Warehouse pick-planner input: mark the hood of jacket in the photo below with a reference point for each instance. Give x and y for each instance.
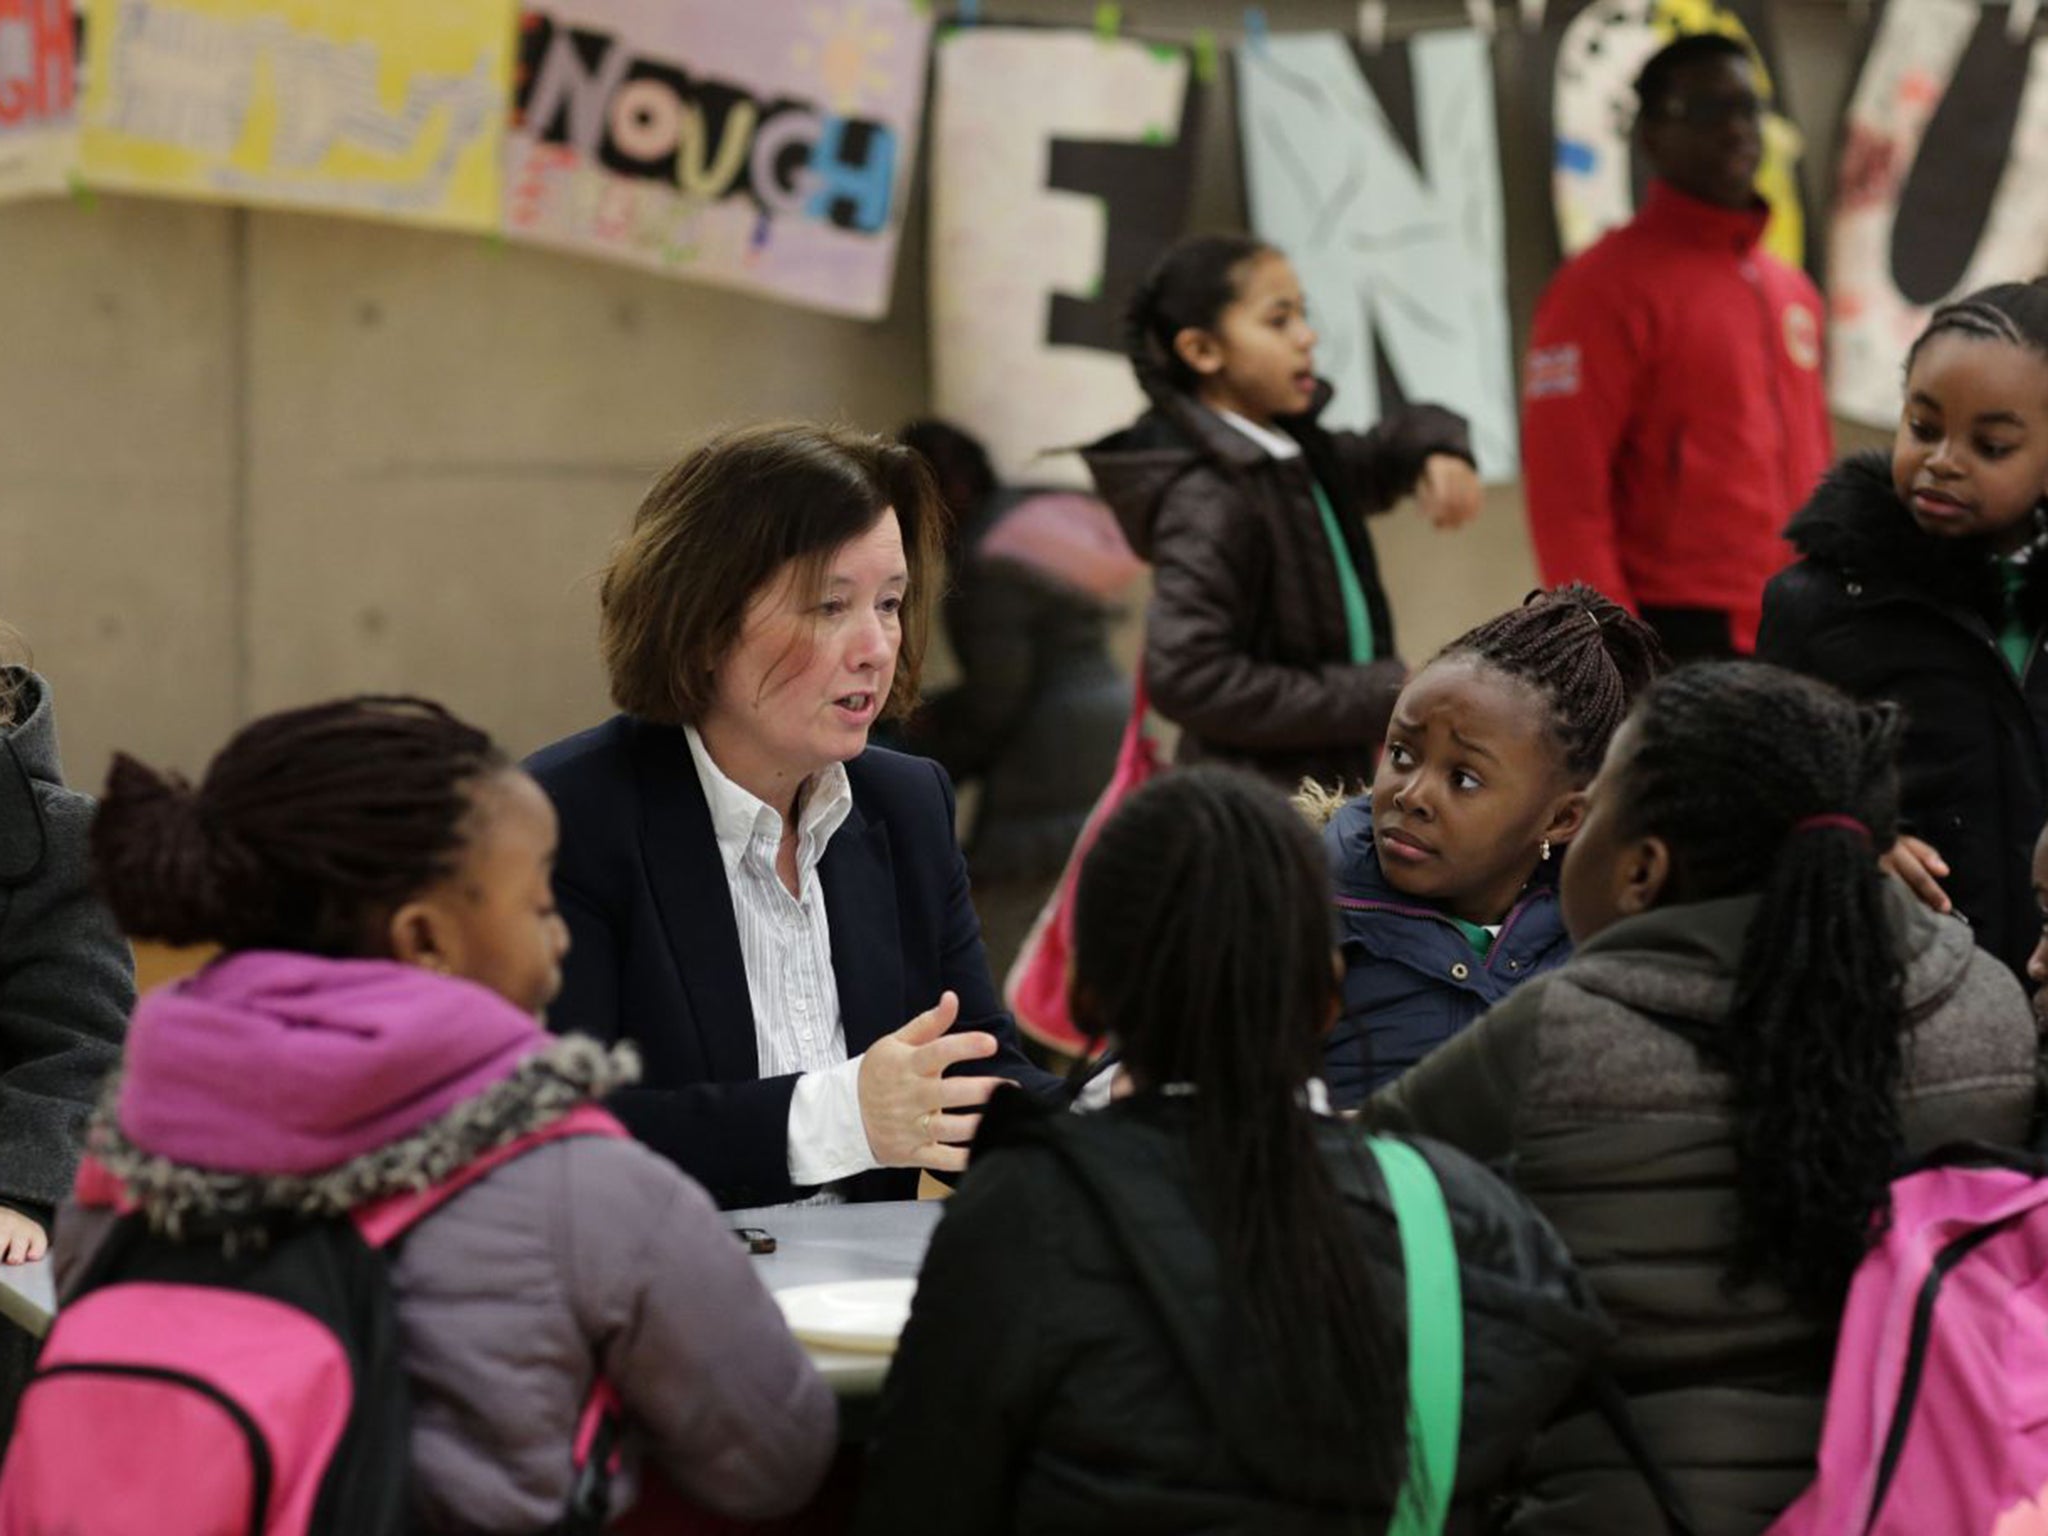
(33, 736)
(29, 770)
(1134, 468)
(1855, 522)
(1681, 961)
(285, 1082)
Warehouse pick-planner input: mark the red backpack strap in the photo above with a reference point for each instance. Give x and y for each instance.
(381, 1222)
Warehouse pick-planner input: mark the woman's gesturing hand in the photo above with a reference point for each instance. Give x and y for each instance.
(906, 1102)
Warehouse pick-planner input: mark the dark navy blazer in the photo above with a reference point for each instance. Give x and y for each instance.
(655, 949)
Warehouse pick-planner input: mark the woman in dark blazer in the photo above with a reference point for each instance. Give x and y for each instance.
(756, 898)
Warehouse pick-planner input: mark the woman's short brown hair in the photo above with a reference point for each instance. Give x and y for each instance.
(718, 526)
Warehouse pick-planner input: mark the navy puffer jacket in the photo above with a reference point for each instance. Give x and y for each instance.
(1411, 981)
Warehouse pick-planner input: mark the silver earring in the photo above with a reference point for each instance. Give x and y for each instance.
(1546, 850)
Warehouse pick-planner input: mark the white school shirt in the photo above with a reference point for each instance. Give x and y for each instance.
(1277, 444)
(786, 946)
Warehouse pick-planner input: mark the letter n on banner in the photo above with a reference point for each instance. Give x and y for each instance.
(1942, 187)
(1386, 195)
(1061, 165)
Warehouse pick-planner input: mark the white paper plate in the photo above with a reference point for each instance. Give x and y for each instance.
(849, 1314)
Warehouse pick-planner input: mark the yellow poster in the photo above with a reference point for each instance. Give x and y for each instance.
(386, 108)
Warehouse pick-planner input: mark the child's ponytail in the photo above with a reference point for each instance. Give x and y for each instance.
(1188, 287)
(1759, 780)
(152, 859)
(308, 829)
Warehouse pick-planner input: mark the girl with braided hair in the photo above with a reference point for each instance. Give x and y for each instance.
(1924, 583)
(377, 875)
(1709, 1099)
(1268, 640)
(1446, 874)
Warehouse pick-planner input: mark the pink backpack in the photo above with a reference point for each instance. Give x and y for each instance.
(192, 1389)
(1937, 1416)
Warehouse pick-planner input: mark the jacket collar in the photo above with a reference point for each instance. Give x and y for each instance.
(1532, 925)
(1133, 468)
(1672, 213)
(1855, 522)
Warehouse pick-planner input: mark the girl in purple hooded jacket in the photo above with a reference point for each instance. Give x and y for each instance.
(377, 874)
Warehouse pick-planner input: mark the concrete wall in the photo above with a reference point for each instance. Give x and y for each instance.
(251, 459)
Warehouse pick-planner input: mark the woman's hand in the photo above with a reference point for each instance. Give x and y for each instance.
(1921, 868)
(1447, 492)
(905, 1100)
(22, 1241)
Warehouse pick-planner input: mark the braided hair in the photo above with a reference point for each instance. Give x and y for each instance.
(1203, 943)
(1757, 779)
(1588, 657)
(2015, 313)
(1187, 288)
(310, 827)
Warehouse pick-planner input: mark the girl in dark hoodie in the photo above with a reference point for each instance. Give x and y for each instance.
(1923, 583)
(1268, 640)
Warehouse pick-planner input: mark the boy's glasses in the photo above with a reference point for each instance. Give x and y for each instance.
(1711, 111)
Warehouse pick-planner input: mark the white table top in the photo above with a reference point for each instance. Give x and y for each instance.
(815, 1244)
(28, 1295)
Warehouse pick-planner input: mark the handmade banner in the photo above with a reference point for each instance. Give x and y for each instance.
(1591, 52)
(389, 108)
(38, 77)
(1379, 175)
(1062, 164)
(1942, 187)
(765, 146)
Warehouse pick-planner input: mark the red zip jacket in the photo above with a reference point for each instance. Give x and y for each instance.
(1673, 412)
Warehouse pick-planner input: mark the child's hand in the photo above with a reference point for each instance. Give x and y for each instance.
(21, 1240)
(1920, 867)
(1447, 493)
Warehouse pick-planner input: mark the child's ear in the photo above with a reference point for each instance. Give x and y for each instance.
(1199, 349)
(1566, 817)
(1645, 870)
(417, 936)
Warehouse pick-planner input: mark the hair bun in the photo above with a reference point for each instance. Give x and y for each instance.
(152, 856)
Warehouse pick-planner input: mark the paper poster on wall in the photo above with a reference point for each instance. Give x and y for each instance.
(766, 146)
(1942, 187)
(388, 108)
(38, 83)
(1591, 52)
(1062, 164)
(1379, 175)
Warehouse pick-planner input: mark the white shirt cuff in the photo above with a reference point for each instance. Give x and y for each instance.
(1095, 1093)
(827, 1139)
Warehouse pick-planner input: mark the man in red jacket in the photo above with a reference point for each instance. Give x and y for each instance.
(1674, 416)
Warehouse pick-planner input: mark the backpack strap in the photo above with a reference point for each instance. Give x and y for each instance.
(383, 1222)
(1436, 1337)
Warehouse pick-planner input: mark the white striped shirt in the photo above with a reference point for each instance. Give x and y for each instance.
(786, 946)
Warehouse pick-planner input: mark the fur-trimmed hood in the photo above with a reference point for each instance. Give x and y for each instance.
(1856, 523)
(283, 1083)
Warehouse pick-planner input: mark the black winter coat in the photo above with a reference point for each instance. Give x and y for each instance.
(1062, 1368)
(1884, 611)
(1246, 648)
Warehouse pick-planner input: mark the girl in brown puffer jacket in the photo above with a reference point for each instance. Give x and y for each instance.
(1268, 640)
